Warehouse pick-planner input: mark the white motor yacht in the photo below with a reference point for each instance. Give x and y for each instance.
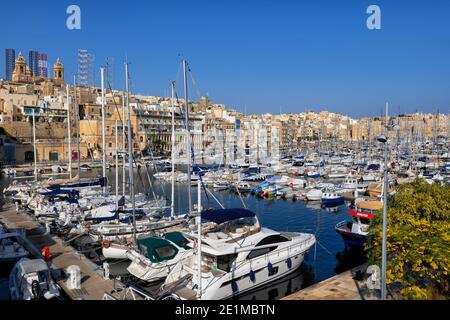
(237, 256)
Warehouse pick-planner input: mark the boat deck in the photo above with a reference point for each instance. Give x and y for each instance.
(93, 285)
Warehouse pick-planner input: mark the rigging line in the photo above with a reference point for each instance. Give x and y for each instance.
(151, 154)
(240, 196)
(212, 195)
(197, 89)
(192, 155)
(318, 242)
(126, 136)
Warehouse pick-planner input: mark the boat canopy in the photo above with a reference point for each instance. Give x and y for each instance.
(29, 266)
(370, 205)
(223, 215)
(157, 249)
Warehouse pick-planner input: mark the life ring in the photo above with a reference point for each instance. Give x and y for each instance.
(106, 244)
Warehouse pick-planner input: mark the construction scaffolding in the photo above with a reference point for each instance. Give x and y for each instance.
(85, 68)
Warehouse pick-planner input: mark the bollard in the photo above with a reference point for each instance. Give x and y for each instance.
(47, 228)
(74, 281)
(106, 270)
(17, 206)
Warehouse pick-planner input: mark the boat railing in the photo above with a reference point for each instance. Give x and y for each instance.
(107, 297)
(130, 293)
(136, 294)
(342, 225)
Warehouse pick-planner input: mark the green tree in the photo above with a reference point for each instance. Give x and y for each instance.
(418, 240)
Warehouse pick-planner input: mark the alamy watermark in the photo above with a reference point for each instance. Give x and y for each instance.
(73, 21)
(373, 282)
(374, 20)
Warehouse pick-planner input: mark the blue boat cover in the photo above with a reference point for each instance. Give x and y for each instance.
(224, 215)
(98, 182)
(60, 192)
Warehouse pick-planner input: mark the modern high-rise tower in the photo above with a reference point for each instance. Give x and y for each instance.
(85, 68)
(10, 59)
(38, 63)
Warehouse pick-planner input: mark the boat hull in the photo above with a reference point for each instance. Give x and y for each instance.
(351, 239)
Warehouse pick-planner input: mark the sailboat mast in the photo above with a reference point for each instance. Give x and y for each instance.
(188, 135)
(199, 237)
(34, 146)
(117, 166)
(77, 123)
(102, 75)
(69, 134)
(130, 154)
(172, 204)
(124, 170)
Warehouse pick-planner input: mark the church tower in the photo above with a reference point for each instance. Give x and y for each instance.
(58, 72)
(20, 69)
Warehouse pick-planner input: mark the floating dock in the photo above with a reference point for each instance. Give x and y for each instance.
(93, 284)
(343, 286)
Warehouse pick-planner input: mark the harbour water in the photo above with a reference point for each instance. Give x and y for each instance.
(323, 261)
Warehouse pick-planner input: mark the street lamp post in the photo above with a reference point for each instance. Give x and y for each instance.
(384, 139)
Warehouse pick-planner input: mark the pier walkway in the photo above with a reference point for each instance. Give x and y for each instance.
(93, 285)
(343, 286)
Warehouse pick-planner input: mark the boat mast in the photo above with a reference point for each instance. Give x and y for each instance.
(172, 204)
(117, 167)
(199, 237)
(69, 134)
(130, 153)
(124, 170)
(188, 136)
(77, 123)
(102, 76)
(34, 146)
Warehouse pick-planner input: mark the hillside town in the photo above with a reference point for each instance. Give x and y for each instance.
(51, 99)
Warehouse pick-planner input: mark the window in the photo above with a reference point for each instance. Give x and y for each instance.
(225, 262)
(364, 221)
(166, 252)
(272, 239)
(110, 144)
(259, 252)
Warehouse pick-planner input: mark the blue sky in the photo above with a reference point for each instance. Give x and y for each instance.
(258, 56)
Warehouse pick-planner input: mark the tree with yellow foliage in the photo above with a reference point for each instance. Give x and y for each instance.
(418, 241)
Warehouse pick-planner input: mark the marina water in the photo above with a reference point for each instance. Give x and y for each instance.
(322, 262)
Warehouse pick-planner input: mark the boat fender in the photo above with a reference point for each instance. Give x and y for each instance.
(36, 289)
(252, 276)
(234, 286)
(270, 267)
(46, 253)
(106, 244)
(289, 263)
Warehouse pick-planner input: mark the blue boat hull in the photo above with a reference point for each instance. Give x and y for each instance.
(333, 201)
